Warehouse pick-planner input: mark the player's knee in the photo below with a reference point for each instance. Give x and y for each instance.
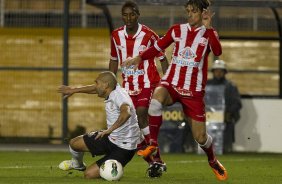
(88, 175)
(200, 137)
(92, 172)
(142, 122)
(155, 108)
(75, 144)
(72, 143)
(142, 111)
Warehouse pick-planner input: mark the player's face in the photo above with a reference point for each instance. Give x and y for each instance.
(130, 17)
(100, 88)
(218, 73)
(194, 16)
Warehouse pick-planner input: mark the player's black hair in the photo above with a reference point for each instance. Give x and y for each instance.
(201, 4)
(131, 4)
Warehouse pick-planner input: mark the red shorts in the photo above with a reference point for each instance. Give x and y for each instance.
(193, 104)
(143, 98)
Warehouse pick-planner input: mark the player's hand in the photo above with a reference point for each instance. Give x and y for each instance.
(65, 90)
(132, 61)
(102, 134)
(207, 18)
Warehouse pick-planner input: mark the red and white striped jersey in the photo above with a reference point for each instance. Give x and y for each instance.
(188, 68)
(124, 46)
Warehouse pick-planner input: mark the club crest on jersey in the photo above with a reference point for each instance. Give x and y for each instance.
(141, 48)
(187, 53)
(203, 41)
(112, 106)
(186, 58)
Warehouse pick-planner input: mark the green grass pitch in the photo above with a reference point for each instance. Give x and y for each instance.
(42, 167)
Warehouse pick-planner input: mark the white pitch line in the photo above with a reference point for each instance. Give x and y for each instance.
(168, 162)
(224, 160)
(25, 167)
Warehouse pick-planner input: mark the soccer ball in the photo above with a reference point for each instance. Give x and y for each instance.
(111, 170)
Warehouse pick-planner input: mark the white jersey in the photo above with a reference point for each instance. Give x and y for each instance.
(127, 135)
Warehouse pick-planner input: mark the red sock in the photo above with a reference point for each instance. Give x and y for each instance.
(210, 153)
(149, 159)
(155, 124)
(157, 156)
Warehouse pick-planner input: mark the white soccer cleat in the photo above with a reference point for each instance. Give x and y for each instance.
(71, 164)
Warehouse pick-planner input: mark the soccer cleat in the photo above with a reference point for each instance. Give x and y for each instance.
(156, 170)
(219, 171)
(163, 167)
(71, 164)
(149, 150)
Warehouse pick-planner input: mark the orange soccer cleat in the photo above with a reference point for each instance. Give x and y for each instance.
(219, 171)
(149, 150)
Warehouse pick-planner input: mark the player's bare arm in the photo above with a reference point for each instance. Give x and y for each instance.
(164, 64)
(68, 91)
(123, 117)
(113, 66)
(132, 61)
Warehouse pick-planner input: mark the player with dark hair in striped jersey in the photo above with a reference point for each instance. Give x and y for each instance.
(186, 77)
(128, 41)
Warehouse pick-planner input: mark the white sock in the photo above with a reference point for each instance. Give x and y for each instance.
(207, 143)
(145, 131)
(78, 156)
(155, 108)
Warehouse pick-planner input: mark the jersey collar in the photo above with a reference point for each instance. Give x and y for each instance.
(198, 28)
(137, 32)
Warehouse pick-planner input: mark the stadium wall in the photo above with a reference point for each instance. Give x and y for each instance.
(259, 129)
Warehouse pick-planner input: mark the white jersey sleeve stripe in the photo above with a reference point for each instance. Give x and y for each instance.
(157, 47)
(194, 47)
(183, 33)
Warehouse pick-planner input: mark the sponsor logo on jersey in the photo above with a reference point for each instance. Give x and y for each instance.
(186, 58)
(183, 92)
(203, 41)
(129, 71)
(187, 53)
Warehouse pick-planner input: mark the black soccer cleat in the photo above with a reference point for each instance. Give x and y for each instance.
(156, 170)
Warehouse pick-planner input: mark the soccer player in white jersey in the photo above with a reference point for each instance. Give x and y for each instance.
(186, 77)
(119, 141)
(129, 41)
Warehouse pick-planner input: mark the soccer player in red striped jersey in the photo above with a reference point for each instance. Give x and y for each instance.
(186, 77)
(129, 41)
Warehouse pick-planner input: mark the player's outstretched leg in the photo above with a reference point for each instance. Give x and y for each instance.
(77, 158)
(72, 164)
(218, 169)
(155, 121)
